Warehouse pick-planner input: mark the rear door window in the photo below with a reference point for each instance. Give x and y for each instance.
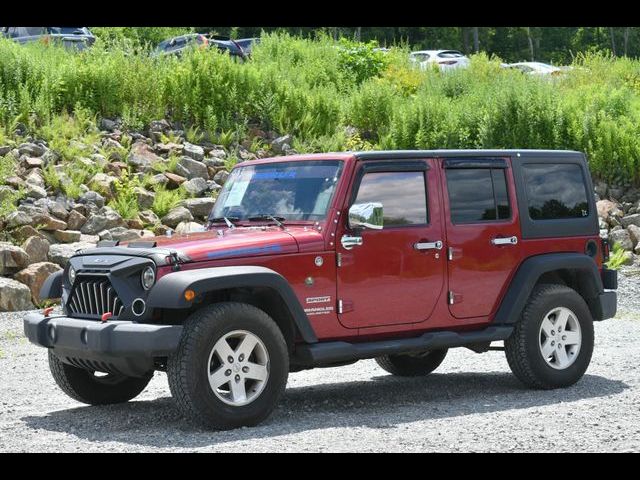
(478, 195)
(555, 191)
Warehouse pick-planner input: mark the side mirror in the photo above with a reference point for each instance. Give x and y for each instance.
(366, 215)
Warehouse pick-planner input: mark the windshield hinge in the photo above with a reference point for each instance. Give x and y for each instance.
(338, 259)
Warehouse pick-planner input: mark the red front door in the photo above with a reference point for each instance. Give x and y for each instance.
(395, 276)
(482, 225)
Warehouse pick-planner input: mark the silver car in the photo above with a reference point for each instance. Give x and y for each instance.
(444, 59)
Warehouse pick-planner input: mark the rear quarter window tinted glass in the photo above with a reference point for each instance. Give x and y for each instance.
(555, 191)
(477, 195)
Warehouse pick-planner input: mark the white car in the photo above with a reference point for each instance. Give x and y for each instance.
(535, 68)
(445, 59)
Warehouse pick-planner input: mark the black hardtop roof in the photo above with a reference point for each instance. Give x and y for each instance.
(405, 154)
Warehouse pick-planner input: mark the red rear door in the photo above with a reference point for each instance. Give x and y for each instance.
(394, 276)
(482, 226)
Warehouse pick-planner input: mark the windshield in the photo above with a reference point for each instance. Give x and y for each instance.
(290, 190)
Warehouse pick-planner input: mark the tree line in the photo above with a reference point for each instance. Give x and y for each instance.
(547, 44)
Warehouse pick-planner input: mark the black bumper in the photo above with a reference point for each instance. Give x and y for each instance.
(117, 347)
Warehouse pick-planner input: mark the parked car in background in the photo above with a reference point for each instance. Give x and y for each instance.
(177, 45)
(444, 59)
(69, 37)
(535, 68)
(247, 44)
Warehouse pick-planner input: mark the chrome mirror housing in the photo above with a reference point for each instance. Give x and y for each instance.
(366, 215)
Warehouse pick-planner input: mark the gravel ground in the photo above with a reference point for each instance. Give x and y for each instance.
(471, 403)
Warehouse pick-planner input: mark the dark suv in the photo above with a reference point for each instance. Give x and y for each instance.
(323, 260)
(70, 37)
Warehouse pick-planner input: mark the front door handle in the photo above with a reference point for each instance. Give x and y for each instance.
(504, 241)
(348, 242)
(428, 245)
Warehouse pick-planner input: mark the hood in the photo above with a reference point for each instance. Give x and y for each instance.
(240, 242)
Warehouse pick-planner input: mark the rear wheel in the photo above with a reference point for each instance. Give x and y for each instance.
(552, 343)
(231, 366)
(412, 364)
(95, 388)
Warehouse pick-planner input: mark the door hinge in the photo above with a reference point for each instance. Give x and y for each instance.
(450, 253)
(450, 297)
(339, 259)
(340, 306)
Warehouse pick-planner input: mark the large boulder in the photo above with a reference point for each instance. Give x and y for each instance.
(199, 207)
(103, 184)
(188, 227)
(144, 197)
(17, 219)
(75, 220)
(60, 253)
(124, 234)
(37, 248)
(190, 168)
(148, 217)
(177, 215)
(634, 234)
(14, 296)
(47, 222)
(174, 180)
(35, 191)
(12, 258)
(193, 151)
(609, 211)
(67, 236)
(221, 177)
(631, 220)
(34, 276)
(195, 187)
(104, 219)
(622, 238)
(281, 144)
(31, 149)
(142, 157)
(92, 198)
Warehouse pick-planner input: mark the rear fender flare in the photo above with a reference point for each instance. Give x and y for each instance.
(530, 272)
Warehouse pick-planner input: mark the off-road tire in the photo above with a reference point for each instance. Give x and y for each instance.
(522, 347)
(410, 365)
(84, 386)
(187, 367)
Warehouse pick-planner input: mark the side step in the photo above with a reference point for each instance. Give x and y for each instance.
(316, 354)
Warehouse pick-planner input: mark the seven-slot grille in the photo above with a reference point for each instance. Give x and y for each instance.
(94, 296)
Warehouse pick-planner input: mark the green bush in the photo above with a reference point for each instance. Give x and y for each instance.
(166, 199)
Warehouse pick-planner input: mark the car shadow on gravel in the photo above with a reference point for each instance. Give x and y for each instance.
(382, 402)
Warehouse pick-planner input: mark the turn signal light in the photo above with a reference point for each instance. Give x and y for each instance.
(189, 295)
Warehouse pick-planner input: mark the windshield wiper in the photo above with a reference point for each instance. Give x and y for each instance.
(266, 216)
(228, 220)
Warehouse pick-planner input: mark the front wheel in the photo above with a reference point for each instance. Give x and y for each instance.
(231, 366)
(552, 343)
(94, 388)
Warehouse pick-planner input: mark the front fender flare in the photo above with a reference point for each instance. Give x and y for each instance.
(168, 292)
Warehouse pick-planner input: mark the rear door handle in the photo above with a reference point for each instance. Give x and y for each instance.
(504, 241)
(428, 245)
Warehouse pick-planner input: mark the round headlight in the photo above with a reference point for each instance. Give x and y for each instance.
(72, 275)
(148, 277)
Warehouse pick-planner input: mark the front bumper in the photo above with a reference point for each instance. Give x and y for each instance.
(123, 347)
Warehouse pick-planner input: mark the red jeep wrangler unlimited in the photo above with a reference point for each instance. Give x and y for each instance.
(323, 260)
